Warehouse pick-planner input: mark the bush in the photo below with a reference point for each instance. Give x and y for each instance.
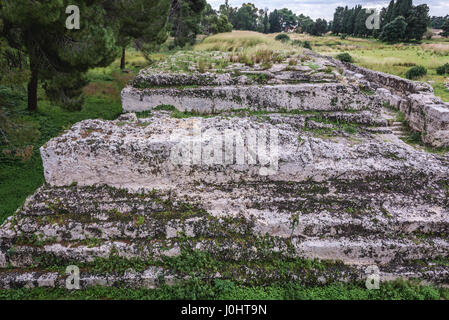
(297, 42)
(282, 37)
(344, 57)
(416, 72)
(307, 45)
(444, 69)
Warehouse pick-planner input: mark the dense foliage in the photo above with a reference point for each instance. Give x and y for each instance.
(345, 57)
(282, 37)
(416, 72)
(445, 28)
(400, 21)
(213, 23)
(59, 56)
(139, 19)
(184, 19)
(444, 69)
(248, 17)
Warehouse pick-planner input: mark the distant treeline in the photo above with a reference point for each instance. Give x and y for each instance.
(248, 17)
(400, 21)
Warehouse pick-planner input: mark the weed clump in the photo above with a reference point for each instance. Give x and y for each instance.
(282, 37)
(444, 69)
(345, 57)
(416, 72)
(307, 45)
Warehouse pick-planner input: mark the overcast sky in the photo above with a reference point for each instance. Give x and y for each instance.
(326, 8)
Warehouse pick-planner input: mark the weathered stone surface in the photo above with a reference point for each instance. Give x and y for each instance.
(356, 199)
(205, 100)
(284, 88)
(423, 111)
(305, 171)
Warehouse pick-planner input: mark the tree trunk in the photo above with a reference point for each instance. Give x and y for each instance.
(123, 61)
(32, 89)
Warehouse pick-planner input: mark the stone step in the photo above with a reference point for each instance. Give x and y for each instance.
(124, 188)
(386, 253)
(153, 277)
(164, 153)
(332, 224)
(210, 100)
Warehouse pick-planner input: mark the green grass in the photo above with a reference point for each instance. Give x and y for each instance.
(19, 179)
(227, 290)
(390, 58)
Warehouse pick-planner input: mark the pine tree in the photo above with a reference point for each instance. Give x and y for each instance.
(57, 55)
(417, 22)
(136, 19)
(185, 17)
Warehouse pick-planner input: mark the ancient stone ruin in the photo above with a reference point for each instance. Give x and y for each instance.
(298, 163)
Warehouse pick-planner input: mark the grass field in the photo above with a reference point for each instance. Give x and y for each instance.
(19, 179)
(395, 59)
(369, 53)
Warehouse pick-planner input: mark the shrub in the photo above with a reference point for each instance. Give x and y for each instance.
(416, 72)
(297, 42)
(307, 45)
(282, 37)
(343, 36)
(292, 62)
(345, 57)
(444, 69)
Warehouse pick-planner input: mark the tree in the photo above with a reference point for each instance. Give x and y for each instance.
(394, 31)
(213, 23)
(317, 28)
(246, 17)
(417, 22)
(445, 28)
(303, 23)
(389, 12)
(57, 55)
(348, 21)
(184, 18)
(275, 21)
(287, 19)
(438, 22)
(139, 19)
(402, 8)
(337, 25)
(266, 22)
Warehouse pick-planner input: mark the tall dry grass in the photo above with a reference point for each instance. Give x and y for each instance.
(441, 49)
(249, 47)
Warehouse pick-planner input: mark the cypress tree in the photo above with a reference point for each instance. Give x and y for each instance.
(417, 22)
(445, 28)
(275, 22)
